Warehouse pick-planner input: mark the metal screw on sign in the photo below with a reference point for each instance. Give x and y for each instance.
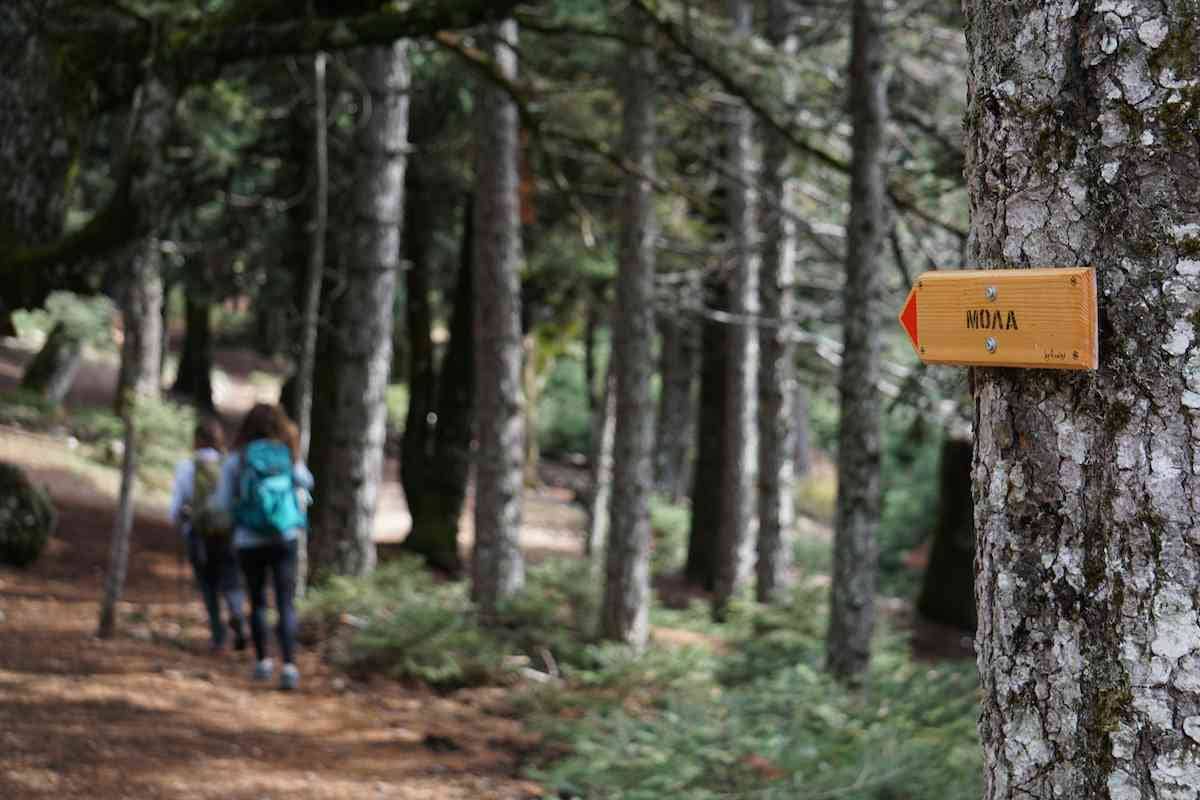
(990, 344)
(990, 293)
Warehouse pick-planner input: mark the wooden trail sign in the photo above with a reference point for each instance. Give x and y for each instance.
(1033, 318)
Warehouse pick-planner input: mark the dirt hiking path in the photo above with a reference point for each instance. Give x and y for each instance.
(151, 714)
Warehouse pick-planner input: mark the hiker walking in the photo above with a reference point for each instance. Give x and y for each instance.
(209, 538)
(261, 486)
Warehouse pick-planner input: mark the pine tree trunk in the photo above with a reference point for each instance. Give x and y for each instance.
(855, 552)
(701, 567)
(675, 431)
(626, 604)
(347, 448)
(738, 531)
(1084, 150)
(141, 313)
(948, 587)
(498, 568)
(193, 380)
(777, 381)
(52, 371)
(443, 487)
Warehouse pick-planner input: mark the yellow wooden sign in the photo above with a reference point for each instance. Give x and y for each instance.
(1032, 318)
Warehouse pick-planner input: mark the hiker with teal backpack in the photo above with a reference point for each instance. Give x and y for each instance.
(260, 487)
(208, 536)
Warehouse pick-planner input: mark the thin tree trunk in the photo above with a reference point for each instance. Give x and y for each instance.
(1083, 150)
(948, 586)
(604, 429)
(627, 585)
(347, 451)
(498, 568)
(675, 431)
(701, 567)
(193, 380)
(855, 550)
(777, 384)
(52, 371)
(118, 556)
(803, 438)
(739, 512)
(316, 265)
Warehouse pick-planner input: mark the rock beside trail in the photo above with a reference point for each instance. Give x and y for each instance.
(26, 518)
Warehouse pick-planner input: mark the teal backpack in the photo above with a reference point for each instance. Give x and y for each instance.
(266, 498)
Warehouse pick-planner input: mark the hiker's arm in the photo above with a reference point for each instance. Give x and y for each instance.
(302, 477)
(181, 491)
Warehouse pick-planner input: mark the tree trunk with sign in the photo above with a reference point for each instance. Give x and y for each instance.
(855, 550)
(1084, 150)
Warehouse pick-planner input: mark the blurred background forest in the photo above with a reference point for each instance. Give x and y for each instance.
(586, 312)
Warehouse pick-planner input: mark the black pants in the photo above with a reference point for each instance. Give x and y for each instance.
(280, 561)
(216, 569)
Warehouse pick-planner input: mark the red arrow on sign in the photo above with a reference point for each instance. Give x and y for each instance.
(908, 317)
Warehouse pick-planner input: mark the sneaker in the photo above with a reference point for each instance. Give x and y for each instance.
(289, 678)
(264, 669)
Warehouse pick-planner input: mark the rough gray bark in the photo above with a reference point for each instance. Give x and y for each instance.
(777, 385)
(675, 431)
(347, 449)
(1084, 149)
(604, 430)
(739, 513)
(141, 314)
(310, 309)
(948, 586)
(855, 550)
(498, 568)
(626, 604)
(52, 371)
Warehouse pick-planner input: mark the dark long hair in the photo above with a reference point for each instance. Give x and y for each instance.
(209, 433)
(266, 421)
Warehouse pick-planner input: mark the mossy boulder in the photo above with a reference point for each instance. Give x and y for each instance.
(26, 518)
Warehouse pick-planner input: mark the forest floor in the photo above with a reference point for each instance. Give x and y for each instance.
(152, 714)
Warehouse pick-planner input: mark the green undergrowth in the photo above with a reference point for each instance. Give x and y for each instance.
(763, 720)
(164, 431)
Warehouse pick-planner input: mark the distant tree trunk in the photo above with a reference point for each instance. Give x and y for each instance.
(626, 604)
(856, 552)
(604, 430)
(193, 379)
(347, 449)
(436, 501)
(498, 569)
(422, 375)
(739, 504)
(803, 452)
(777, 386)
(589, 351)
(531, 389)
(1083, 149)
(311, 306)
(675, 431)
(948, 587)
(142, 315)
(52, 371)
(118, 556)
(701, 567)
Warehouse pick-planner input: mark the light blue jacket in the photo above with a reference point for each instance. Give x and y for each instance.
(223, 500)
